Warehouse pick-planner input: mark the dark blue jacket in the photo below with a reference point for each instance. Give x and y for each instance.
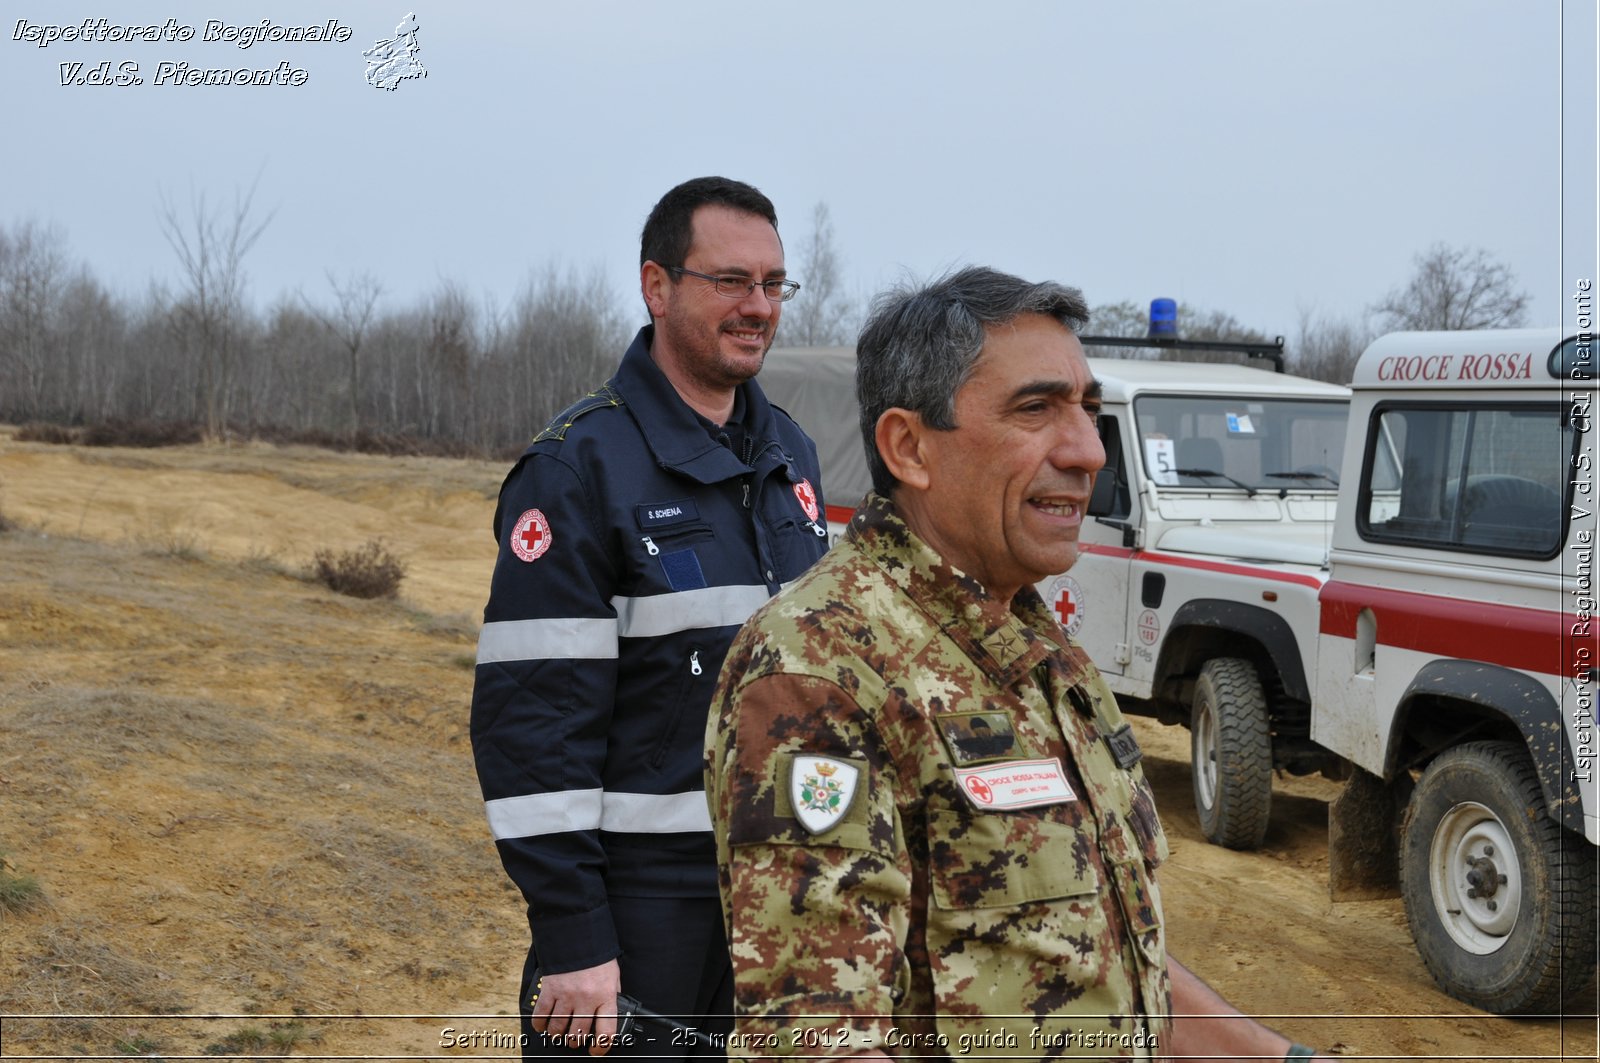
(632, 546)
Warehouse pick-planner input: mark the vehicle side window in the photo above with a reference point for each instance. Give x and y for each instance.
(1478, 478)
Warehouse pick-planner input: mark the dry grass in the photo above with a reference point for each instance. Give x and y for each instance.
(147, 433)
(240, 795)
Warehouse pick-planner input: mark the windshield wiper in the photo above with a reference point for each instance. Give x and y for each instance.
(1250, 492)
(1301, 474)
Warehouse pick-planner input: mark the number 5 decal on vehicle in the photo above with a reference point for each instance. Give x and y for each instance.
(1162, 457)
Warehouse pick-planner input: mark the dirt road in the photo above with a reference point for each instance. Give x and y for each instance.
(243, 795)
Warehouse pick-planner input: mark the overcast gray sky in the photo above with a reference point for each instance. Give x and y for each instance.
(1251, 156)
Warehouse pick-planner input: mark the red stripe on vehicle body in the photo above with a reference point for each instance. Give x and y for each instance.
(1511, 635)
(1154, 557)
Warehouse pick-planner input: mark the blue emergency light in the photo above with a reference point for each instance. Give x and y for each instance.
(1163, 317)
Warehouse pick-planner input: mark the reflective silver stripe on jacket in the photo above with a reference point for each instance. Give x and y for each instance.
(536, 814)
(664, 614)
(543, 640)
(650, 616)
(655, 813)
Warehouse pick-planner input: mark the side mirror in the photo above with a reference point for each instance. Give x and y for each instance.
(1103, 499)
(1104, 495)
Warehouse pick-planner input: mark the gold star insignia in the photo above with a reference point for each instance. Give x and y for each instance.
(1002, 643)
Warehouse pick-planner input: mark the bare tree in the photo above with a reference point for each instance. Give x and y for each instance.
(93, 336)
(1455, 288)
(211, 246)
(441, 380)
(1327, 348)
(559, 339)
(356, 298)
(33, 270)
(1126, 318)
(821, 316)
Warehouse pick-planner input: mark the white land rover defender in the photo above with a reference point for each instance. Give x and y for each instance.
(1457, 659)
(1196, 590)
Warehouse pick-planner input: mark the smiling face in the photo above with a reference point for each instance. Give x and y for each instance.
(1002, 495)
(708, 344)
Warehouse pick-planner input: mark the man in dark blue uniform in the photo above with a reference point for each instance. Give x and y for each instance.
(639, 530)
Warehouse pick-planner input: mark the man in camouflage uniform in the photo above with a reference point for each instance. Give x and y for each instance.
(934, 836)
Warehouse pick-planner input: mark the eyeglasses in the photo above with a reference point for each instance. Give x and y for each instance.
(739, 288)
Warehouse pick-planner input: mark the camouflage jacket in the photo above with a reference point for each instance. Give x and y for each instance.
(933, 835)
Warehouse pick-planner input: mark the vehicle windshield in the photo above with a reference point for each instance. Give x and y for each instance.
(1255, 444)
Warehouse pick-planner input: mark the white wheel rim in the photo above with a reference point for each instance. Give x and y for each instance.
(1479, 916)
(1205, 755)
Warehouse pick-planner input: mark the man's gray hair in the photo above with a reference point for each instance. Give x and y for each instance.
(919, 345)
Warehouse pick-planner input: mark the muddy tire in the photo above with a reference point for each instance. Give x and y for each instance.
(1500, 899)
(1231, 754)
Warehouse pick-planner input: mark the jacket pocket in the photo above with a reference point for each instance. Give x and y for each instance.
(1000, 860)
(795, 545)
(665, 540)
(1019, 936)
(692, 669)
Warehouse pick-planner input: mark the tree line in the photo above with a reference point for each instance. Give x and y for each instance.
(451, 373)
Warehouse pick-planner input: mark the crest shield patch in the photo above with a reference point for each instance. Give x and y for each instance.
(821, 790)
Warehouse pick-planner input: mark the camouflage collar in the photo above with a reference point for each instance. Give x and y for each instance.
(1005, 642)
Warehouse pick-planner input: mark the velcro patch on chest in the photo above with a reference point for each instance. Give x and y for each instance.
(683, 571)
(1016, 784)
(974, 737)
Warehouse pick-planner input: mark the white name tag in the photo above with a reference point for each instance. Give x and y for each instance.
(1015, 784)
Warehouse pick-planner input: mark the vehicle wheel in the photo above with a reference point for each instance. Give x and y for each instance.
(1500, 899)
(1231, 747)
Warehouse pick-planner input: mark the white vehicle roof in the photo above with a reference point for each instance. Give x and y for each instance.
(1473, 360)
(1124, 378)
(817, 386)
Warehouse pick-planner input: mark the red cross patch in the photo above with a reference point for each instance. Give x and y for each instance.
(808, 498)
(531, 536)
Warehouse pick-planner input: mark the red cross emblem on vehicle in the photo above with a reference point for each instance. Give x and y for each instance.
(1065, 599)
(1064, 607)
(531, 536)
(808, 498)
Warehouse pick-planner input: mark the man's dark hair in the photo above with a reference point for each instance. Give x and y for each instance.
(669, 229)
(919, 345)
